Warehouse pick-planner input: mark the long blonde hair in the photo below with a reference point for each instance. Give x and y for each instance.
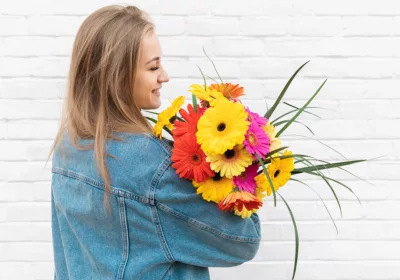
(100, 97)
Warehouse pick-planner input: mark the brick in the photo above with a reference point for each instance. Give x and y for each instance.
(25, 212)
(32, 88)
(25, 191)
(38, 46)
(212, 26)
(239, 47)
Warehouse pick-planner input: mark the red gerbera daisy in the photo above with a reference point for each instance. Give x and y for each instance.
(190, 125)
(189, 160)
(239, 199)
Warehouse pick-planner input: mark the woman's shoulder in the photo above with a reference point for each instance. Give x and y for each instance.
(140, 144)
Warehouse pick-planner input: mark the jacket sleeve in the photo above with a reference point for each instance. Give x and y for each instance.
(196, 232)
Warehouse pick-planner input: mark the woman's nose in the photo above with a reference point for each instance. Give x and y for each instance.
(163, 78)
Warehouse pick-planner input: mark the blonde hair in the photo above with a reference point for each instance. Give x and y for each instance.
(100, 98)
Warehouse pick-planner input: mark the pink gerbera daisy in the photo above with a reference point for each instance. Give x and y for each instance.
(256, 141)
(255, 118)
(245, 181)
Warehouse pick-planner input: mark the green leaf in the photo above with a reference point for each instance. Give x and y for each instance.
(276, 151)
(296, 233)
(325, 166)
(154, 113)
(300, 111)
(323, 202)
(269, 178)
(268, 114)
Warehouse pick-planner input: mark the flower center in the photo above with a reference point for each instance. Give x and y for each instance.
(195, 159)
(276, 173)
(217, 177)
(221, 127)
(171, 120)
(230, 154)
(253, 140)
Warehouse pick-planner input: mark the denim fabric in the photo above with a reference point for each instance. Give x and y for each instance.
(158, 227)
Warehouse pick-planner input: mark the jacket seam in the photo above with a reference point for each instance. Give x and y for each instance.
(156, 219)
(206, 227)
(125, 237)
(160, 234)
(116, 191)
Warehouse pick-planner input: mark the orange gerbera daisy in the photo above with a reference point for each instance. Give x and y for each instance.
(229, 90)
(189, 160)
(239, 200)
(190, 125)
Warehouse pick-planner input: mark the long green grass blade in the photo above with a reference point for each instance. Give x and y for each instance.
(300, 111)
(292, 111)
(319, 173)
(286, 121)
(268, 177)
(268, 114)
(151, 112)
(323, 202)
(215, 68)
(276, 151)
(325, 166)
(319, 141)
(296, 233)
(306, 112)
(338, 182)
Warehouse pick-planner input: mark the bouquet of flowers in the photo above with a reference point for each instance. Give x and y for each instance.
(233, 156)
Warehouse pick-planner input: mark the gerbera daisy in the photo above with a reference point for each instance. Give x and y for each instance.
(229, 90)
(190, 124)
(239, 200)
(209, 95)
(274, 142)
(256, 118)
(167, 117)
(279, 170)
(215, 188)
(245, 181)
(222, 127)
(244, 213)
(189, 160)
(231, 162)
(256, 141)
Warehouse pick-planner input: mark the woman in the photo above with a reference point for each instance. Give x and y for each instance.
(119, 211)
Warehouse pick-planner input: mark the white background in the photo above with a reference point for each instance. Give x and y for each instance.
(259, 44)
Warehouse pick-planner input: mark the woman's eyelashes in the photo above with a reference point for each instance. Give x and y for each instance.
(154, 69)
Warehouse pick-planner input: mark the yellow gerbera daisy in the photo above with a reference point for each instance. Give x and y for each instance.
(167, 117)
(210, 95)
(244, 213)
(279, 170)
(215, 188)
(275, 143)
(232, 162)
(222, 127)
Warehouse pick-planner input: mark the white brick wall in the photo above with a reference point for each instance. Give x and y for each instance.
(259, 44)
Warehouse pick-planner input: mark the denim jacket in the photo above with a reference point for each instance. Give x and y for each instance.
(158, 227)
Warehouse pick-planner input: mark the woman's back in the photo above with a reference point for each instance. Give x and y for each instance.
(158, 227)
